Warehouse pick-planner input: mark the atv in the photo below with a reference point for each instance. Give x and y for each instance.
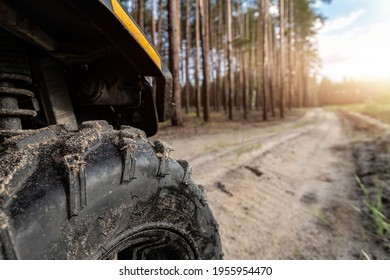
(79, 179)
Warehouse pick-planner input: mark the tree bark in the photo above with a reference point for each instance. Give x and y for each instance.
(219, 67)
(282, 58)
(291, 55)
(159, 24)
(141, 20)
(174, 57)
(197, 64)
(188, 48)
(230, 58)
(153, 23)
(204, 22)
(273, 67)
(265, 82)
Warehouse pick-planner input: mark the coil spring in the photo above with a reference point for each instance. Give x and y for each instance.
(15, 76)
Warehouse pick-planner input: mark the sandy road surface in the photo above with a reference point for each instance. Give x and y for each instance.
(282, 191)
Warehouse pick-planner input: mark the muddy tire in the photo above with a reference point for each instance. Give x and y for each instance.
(100, 194)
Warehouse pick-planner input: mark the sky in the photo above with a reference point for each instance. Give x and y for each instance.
(354, 43)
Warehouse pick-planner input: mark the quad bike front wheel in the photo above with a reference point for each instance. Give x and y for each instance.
(100, 193)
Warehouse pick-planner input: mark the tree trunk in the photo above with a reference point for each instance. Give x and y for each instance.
(219, 67)
(282, 58)
(305, 82)
(197, 64)
(141, 21)
(188, 48)
(159, 24)
(298, 70)
(204, 22)
(153, 23)
(230, 57)
(247, 64)
(213, 96)
(174, 57)
(265, 82)
(291, 55)
(259, 54)
(273, 67)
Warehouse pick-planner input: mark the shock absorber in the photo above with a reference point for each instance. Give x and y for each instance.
(15, 76)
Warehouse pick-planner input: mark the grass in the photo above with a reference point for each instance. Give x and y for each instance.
(366, 256)
(381, 222)
(298, 124)
(320, 214)
(247, 149)
(219, 145)
(376, 109)
(298, 255)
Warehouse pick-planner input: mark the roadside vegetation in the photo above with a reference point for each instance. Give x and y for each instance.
(371, 98)
(371, 151)
(378, 109)
(370, 143)
(374, 202)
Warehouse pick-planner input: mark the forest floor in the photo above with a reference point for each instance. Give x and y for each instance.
(287, 189)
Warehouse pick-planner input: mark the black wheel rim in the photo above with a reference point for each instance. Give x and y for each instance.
(152, 244)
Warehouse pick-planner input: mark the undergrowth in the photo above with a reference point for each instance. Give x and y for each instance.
(248, 149)
(375, 205)
(377, 109)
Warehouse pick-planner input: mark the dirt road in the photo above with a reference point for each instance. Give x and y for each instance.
(281, 190)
